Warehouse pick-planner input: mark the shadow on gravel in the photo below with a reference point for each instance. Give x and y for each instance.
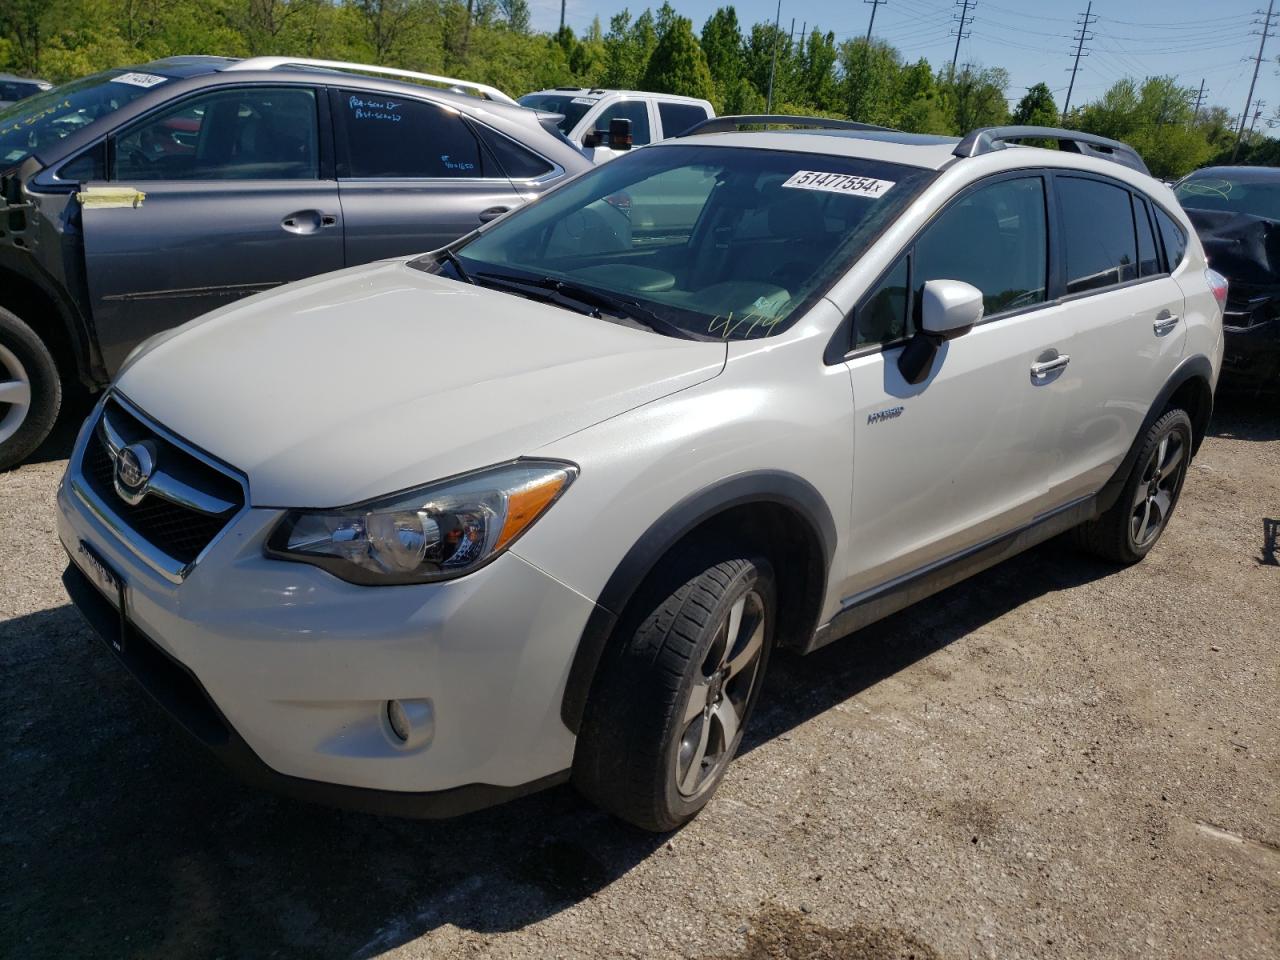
(122, 838)
(76, 404)
(1242, 416)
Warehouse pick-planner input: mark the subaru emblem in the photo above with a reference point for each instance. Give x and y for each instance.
(134, 466)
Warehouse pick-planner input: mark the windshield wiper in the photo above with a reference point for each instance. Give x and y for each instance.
(448, 256)
(557, 290)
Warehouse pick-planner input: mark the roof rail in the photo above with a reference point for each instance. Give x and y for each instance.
(730, 123)
(987, 139)
(275, 63)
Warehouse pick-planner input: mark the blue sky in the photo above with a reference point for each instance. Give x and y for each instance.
(1029, 38)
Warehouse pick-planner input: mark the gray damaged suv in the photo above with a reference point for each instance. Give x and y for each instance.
(138, 198)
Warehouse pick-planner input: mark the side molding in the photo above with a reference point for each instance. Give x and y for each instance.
(775, 487)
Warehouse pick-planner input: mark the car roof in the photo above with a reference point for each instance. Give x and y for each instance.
(891, 146)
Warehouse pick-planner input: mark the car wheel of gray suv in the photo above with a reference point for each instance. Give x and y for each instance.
(669, 704)
(30, 390)
(1127, 532)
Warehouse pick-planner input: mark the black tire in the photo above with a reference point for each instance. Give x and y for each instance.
(636, 749)
(1121, 535)
(41, 372)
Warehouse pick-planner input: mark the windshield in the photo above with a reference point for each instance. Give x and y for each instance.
(571, 107)
(48, 117)
(720, 242)
(1236, 195)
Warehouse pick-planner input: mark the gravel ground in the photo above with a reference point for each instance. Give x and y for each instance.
(1055, 759)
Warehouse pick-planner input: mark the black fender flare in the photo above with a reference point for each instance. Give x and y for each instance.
(1191, 368)
(764, 487)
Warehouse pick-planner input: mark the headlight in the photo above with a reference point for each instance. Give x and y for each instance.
(435, 532)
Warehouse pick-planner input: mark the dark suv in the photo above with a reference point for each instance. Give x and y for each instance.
(138, 198)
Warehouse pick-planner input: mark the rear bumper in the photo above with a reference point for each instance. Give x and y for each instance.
(1251, 357)
(177, 690)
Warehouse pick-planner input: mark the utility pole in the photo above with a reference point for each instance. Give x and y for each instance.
(1258, 104)
(1257, 62)
(1199, 100)
(773, 67)
(875, 5)
(791, 38)
(804, 34)
(1089, 20)
(562, 3)
(965, 19)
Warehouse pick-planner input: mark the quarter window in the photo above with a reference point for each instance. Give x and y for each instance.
(678, 117)
(994, 238)
(637, 111)
(389, 138)
(263, 133)
(1097, 229)
(1148, 257)
(883, 317)
(508, 158)
(1175, 241)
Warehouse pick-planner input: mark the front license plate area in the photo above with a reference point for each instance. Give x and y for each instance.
(110, 583)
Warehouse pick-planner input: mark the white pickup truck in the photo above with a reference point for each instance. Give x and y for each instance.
(587, 112)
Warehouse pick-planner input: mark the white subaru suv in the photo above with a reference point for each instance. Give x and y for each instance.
(420, 536)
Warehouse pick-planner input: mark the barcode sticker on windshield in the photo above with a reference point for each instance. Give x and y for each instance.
(845, 183)
(139, 79)
(585, 101)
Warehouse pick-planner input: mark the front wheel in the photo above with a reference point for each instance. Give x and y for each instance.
(667, 711)
(1127, 532)
(30, 390)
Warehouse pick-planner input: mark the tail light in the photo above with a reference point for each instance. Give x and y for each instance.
(1218, 284)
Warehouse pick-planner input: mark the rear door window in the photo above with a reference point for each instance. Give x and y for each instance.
(678, 117)
(390, 138)
(257, 133)
(1098, 231)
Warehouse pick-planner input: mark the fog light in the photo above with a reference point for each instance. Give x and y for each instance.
(398, 719)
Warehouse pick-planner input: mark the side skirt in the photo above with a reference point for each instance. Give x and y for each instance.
(879, 602)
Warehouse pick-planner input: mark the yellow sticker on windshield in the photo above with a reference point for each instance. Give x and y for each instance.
(845, 183)
(107, 197)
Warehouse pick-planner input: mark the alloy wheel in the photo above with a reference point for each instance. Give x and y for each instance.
(1154, 498)
(15, 393)
(720, 695)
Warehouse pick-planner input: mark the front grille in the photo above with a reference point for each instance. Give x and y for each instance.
(178, 530)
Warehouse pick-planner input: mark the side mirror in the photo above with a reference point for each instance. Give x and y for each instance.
(590, 139)
(948, 309)
(620, 134)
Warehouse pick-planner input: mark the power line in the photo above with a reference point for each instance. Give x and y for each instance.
(1080, 38)
(1257, 63)
(875, 5)
(965, 18)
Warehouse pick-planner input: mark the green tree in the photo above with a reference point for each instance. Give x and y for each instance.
(677, 64)
(1037, 108)
(974, 97)
(871, 75)
(722, 46)
(627, 48)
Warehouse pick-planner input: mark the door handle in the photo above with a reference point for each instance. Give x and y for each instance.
(1165, 322)
(492, 213)
(303, 221)
(1041, 370)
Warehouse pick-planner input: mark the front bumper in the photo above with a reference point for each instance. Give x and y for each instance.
(284, 671)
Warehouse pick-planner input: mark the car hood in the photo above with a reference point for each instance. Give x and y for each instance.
(373, 379)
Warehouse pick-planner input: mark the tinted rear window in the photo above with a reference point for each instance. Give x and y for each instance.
(391, 138)
(679, 117)
(1097, 228)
